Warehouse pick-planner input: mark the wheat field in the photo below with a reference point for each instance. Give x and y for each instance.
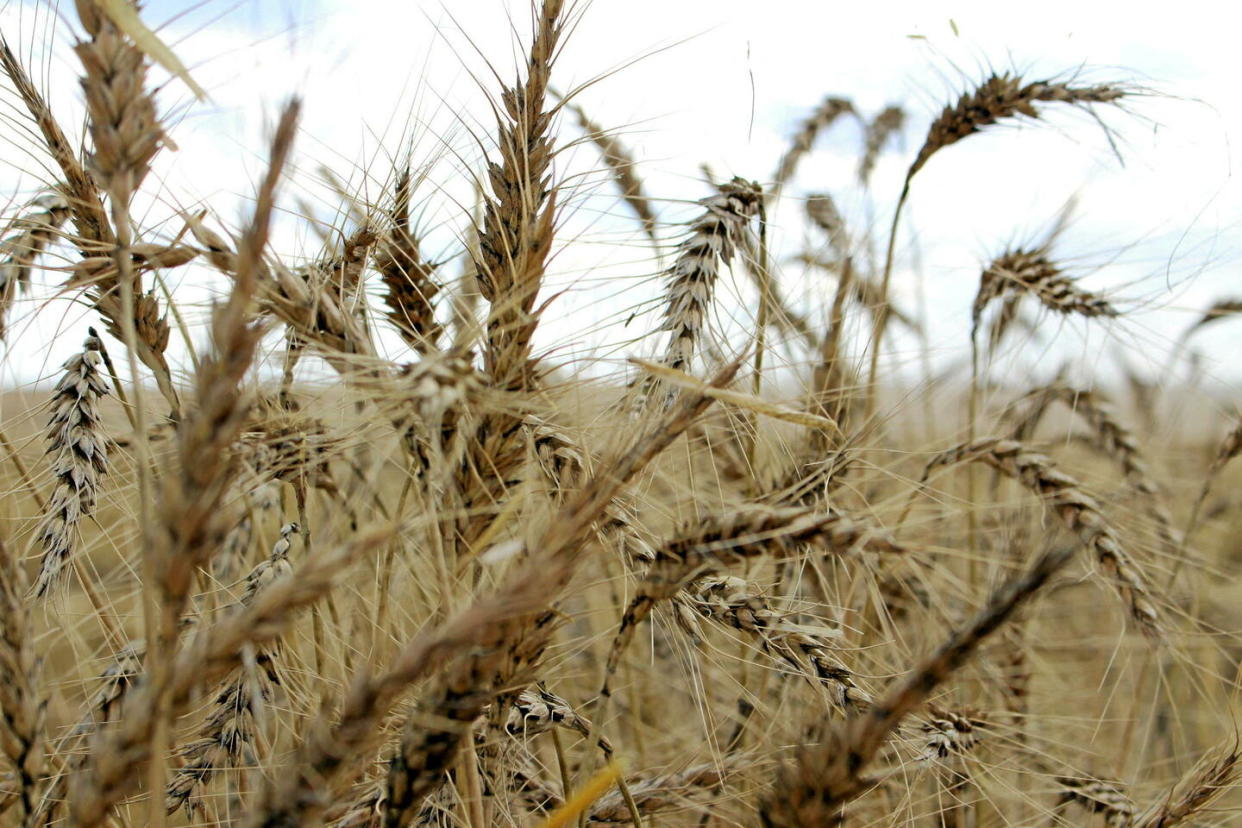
(352, 545)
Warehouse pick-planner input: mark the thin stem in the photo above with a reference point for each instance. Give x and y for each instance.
(881, 318)
(765, 306)
(157, 658)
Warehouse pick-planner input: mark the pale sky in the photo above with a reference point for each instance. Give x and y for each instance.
(724, 82)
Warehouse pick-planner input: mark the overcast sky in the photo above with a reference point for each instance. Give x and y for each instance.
(721, 82)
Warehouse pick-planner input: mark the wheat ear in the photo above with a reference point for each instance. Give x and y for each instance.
(620, 162)
(1097, 796)
(997, 98)
(516, 238)
(408, 277)
(654, 794)
(80, 189)
(1077, 510)
(1228, 449)
(813, 789)
(24, 241)
(1210, 779)
(79, 447)
(1112, 437)
(121, 749)
(880, 130)
(1219, 309)
(715, 542)
(22, 702)
(125, 134)
(737, 604)
(1020, 272)
(227, 738)
(489, 633)
(692, 279)
(829, 110)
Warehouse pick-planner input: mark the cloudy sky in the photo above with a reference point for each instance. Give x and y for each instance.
(722, 83)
